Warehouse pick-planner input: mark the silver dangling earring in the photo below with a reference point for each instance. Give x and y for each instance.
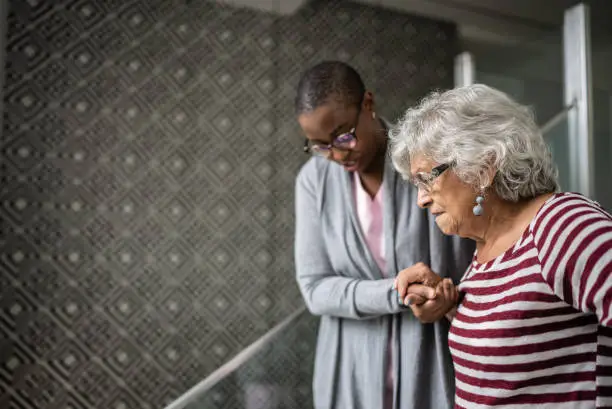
(373, 115)
(478, 209)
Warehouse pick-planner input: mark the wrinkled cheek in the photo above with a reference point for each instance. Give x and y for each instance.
(447, 224)
(455, 227)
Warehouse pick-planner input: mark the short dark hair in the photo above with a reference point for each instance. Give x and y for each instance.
(326, 80)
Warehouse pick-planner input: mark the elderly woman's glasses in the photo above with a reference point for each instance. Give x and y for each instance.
(424, 180)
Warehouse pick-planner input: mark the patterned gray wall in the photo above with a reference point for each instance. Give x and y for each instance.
(148, 157)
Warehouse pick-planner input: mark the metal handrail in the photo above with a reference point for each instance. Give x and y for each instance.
(230, 366)
(558, 118)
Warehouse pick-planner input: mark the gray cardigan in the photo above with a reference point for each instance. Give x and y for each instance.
(340, 281)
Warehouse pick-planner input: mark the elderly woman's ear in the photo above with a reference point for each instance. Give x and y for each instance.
(486, 176)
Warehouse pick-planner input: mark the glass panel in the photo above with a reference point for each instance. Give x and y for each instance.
(532, 73)
(558, 141)
(601, 46)
(278, 377)
(602, 145)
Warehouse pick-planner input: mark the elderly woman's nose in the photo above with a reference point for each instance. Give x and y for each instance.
(423, 198)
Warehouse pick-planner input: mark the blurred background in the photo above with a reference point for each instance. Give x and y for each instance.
(148, 157)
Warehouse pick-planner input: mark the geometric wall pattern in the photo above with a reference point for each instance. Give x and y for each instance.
(148, 157)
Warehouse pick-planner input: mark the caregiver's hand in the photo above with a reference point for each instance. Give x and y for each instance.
(425, 292)
(417, 274)
(443, 301)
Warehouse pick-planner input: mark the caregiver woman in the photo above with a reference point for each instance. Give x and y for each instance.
(357, 225)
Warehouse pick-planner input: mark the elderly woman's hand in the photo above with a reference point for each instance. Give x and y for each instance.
(443, 302)
(428, 295)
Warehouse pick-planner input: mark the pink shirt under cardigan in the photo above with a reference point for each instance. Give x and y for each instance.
(370, 214)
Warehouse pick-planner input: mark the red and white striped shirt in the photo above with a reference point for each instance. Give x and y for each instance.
(534, 326)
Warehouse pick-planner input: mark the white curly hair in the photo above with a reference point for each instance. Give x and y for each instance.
(476, 128)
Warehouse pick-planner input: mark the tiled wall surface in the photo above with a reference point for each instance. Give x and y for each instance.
(148, 156)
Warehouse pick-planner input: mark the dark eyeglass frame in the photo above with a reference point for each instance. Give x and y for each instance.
(346, 138)
(424, 180)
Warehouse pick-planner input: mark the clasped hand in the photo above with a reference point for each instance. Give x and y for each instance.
(428, 295)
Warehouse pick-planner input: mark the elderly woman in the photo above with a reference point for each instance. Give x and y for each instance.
(533, 323)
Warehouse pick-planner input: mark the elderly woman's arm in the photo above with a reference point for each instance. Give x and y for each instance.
(325, 292)
(573, 236)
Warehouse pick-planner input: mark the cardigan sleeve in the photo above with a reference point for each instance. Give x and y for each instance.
(324, 291)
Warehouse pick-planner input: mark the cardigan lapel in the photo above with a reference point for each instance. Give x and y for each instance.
(390, 182)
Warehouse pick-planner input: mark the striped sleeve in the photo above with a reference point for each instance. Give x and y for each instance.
(573, 236)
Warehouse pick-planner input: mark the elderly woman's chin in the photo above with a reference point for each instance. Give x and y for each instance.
(446, 223)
